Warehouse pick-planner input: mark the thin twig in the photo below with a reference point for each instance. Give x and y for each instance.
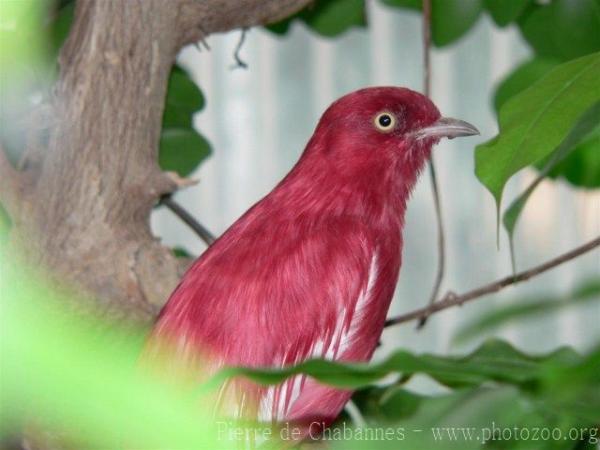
(441, 243)
(188, 219)
(202, 40)
(239, 62)
(451, 299)
(427, 47)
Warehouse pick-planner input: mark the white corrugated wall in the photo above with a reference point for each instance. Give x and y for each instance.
(258, 121)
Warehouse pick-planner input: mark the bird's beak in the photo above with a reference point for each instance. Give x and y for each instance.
(447, 127)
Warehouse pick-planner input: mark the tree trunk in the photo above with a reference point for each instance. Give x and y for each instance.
(84, 201)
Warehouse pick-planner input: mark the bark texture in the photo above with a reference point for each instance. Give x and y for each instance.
(81, 203)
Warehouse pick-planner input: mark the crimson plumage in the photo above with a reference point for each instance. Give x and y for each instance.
(310, 270)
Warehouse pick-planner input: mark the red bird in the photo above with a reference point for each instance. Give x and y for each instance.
(310, 270)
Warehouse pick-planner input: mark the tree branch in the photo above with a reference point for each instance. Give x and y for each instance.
(451, 299)
(441, 243)
(201, 17)
(189, 220)
(88, 211)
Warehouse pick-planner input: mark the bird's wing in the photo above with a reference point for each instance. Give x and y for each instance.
(279, 299)
(350, 334)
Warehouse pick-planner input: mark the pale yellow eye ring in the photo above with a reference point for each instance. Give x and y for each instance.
(385, 121)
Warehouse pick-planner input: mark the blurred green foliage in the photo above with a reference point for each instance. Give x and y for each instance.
(20, 47)
(79, 377)
(563, 29)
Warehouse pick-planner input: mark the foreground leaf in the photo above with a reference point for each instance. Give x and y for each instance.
(536, 121)
(494, 361)
(75, 377)
(462, 419)
(574, 389)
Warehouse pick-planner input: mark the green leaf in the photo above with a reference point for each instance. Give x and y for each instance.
(494, 361)
(577, 31)
(428, 422)
(333, 17)
(538, 28)
(529, 307)
(182, 150)
(504, 12)
(181, 252)
(521, 78)
(451, 19)
(409, 4)
(458, 420)
(281, 27)
(181, 147)
(564, 398)
(389, 403)
(563, 29)
(582, 167)
(534, 122)
(183, 100)
(582, 139)
(574, 389)
(327, 18)
(60, 26)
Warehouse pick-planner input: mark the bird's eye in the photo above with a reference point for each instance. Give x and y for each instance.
(385, 122)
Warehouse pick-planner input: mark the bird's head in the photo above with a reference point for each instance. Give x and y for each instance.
(382, 131)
